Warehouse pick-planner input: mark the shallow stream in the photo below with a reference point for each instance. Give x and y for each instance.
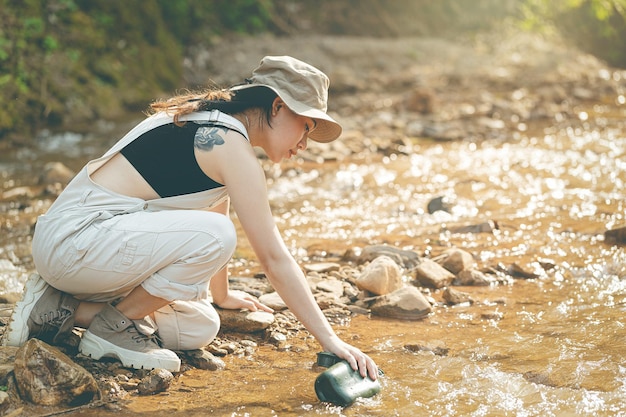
(549, 346)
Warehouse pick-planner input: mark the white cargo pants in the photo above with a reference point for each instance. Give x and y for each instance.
(98, 246)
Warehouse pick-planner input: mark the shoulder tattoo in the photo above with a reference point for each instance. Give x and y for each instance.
(208, 136)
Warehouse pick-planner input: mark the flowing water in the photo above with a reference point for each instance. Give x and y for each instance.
(550, 346)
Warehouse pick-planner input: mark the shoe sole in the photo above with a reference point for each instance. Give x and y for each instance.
(16, 333)
(96, 348)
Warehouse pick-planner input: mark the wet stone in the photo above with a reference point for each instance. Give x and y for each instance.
(46, 376)
(456, 260)
(485, 227)
(202, 359)
(382, 276)
(332, 286)
(158, 380)
(615, 236)
(245, 321)
(437, 348)
(452, 296)
(407, 303)
(273, 301)
(473, 277)
(430, 274)
(406, 258)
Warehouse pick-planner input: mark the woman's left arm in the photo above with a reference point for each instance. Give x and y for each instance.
(221, 294)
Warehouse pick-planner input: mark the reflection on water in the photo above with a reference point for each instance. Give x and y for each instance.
(559, 348)
(553, 346)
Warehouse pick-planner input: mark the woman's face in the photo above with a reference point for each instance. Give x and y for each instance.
(289, 132)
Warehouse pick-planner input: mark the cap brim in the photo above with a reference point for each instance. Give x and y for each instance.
(326, 130)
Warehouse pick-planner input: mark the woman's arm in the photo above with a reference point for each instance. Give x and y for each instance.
(239, 170)
(221, 294)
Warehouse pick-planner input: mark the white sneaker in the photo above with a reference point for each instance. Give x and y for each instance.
(112, 334)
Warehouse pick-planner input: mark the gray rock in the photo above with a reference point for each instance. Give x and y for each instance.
(202, 359)
(405, 258)
(485, 227)
(332, 286)
(245, 321)
(46, 376)
(273, 301)
(430, 274)
(407, 303)
(452, 296)
(158, 380)
(473, 277)
(456, 260)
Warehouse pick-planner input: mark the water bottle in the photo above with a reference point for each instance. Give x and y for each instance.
(340, 384)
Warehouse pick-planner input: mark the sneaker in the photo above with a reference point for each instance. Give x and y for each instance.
(43, 312)
(133, 342)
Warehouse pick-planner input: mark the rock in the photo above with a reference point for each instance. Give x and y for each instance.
(382, 276)
(7, 359)
(332, 286)
(54, 172)
(485, 227)
(202, 359)
(436, 348)
(273, 301)
(46, 376)
(406, 258)
(492, 315)
(517, 271)
(441, 203)
(5, 402)
(430, 274)
(322, 267)
(473, 277)
(615, 236)
(245, 321)
(158, 380)
(407, 303)
(456, 260)
(452, 296)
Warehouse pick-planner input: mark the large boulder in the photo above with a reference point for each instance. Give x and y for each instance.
(46, 376)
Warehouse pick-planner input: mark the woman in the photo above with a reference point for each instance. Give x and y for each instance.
(141, 235)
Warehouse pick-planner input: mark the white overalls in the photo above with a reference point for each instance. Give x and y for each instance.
(98, 245)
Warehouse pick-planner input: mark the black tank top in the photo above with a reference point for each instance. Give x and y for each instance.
(165, 158)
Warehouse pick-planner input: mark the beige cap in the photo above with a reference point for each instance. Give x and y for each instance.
(302, 87)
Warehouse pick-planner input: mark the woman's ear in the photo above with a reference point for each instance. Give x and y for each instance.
(277, 105)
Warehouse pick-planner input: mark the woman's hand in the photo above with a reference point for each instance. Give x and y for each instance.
(236, 299)
(357, 359)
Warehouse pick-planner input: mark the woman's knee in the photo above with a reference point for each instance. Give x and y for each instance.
(187, 325)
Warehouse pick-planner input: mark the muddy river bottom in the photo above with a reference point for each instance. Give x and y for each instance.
(550, 346)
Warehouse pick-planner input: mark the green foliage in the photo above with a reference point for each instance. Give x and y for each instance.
(595, 26)
(64, 62)
(70, 62)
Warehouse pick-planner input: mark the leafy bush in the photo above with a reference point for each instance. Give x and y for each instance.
(595, 26)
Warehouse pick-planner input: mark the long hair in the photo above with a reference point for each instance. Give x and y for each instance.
(227, 101)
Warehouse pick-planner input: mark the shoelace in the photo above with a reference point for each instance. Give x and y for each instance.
(55, 317)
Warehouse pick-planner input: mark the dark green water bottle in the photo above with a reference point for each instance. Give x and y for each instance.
(340, 384)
